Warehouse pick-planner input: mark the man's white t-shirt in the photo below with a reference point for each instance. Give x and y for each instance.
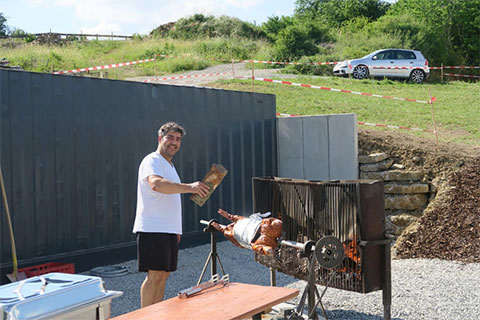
(157, 212)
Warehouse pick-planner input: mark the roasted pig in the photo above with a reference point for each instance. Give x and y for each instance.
(256, 232)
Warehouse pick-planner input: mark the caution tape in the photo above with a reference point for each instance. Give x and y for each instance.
(107, 66)
(291, 63)
(186, 77)
(338, 90)
(392, 127)
(461, 75)
(425, 68)
(460, 67)
(366, 123)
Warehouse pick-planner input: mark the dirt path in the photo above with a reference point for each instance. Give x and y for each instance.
(223, 71)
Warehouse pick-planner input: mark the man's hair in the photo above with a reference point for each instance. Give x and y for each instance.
(171, 126)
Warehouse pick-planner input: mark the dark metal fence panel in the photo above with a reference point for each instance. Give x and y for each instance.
(71, 146)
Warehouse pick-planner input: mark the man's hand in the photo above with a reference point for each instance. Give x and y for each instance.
(199, 188)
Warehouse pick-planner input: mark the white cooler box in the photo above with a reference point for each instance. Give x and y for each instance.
(56, 296)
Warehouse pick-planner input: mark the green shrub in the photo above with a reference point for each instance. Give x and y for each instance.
(353, 45)
(274, 25)
(412, 33)
(308, 66)
(227, 48)
(296, 41)
(199, 26)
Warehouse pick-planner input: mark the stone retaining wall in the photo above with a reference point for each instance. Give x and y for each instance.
(407, 192)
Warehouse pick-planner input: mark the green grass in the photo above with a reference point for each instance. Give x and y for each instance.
(457, 109)
(191, 55)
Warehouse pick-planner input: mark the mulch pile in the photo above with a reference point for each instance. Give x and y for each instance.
(451, 230)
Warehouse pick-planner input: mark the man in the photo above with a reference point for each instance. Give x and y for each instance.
(158, 221)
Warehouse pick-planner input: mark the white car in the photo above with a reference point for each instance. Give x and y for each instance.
(390, 63)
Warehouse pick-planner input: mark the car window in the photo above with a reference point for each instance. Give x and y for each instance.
(405, 55)
(385, 55)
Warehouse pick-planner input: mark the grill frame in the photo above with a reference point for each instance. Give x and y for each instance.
(365, 207)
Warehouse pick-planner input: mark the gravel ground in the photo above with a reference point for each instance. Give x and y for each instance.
(421, 288)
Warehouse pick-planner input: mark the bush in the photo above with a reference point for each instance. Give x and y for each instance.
(227, 48)
(306, 67)
(296, 41)
(412, 33)
(353, 45)
(274, 25)
(199, 26)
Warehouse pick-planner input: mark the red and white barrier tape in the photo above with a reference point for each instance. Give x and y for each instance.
(400, 68)
(459, 67)
(186, 77)
(107, 66)
(454, 67)
(279, 62)
(337, 90)
(461, 75)
(366, 123)
(392, 127)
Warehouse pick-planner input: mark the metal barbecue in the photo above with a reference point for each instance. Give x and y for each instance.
(350, 211)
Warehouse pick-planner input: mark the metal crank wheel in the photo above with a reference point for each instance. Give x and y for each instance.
(329, 252)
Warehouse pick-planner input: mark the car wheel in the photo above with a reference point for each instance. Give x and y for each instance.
(360, 72)
(417, 76)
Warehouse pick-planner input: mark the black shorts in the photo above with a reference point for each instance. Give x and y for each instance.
(157, 251)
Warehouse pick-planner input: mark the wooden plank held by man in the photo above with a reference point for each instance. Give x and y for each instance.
(212, 179)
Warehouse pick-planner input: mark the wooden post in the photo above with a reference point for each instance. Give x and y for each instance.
(433, 118)
(233, 70)
(441, 72)
(253, 75)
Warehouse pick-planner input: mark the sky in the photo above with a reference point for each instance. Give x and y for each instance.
(126, 17)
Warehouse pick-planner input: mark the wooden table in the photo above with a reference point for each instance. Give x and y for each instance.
(231, 302)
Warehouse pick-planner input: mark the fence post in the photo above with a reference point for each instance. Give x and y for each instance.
(253, 75)
(433, 117)
(441, 69)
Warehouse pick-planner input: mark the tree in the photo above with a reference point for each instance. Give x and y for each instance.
(337, 12)
(298, 40)
(3, 25)
(456, 22)
(275, 24)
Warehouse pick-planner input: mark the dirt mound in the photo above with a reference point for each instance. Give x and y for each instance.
(450, 227)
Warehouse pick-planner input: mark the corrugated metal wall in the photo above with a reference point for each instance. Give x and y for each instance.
(71, 146)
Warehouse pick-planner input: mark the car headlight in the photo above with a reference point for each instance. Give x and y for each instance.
(342, 64)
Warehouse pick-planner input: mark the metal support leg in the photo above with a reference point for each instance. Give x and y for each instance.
(273, 277)
(387, 286)
(212, 257)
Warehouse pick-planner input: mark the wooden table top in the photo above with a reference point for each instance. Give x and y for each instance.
(231, 302)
